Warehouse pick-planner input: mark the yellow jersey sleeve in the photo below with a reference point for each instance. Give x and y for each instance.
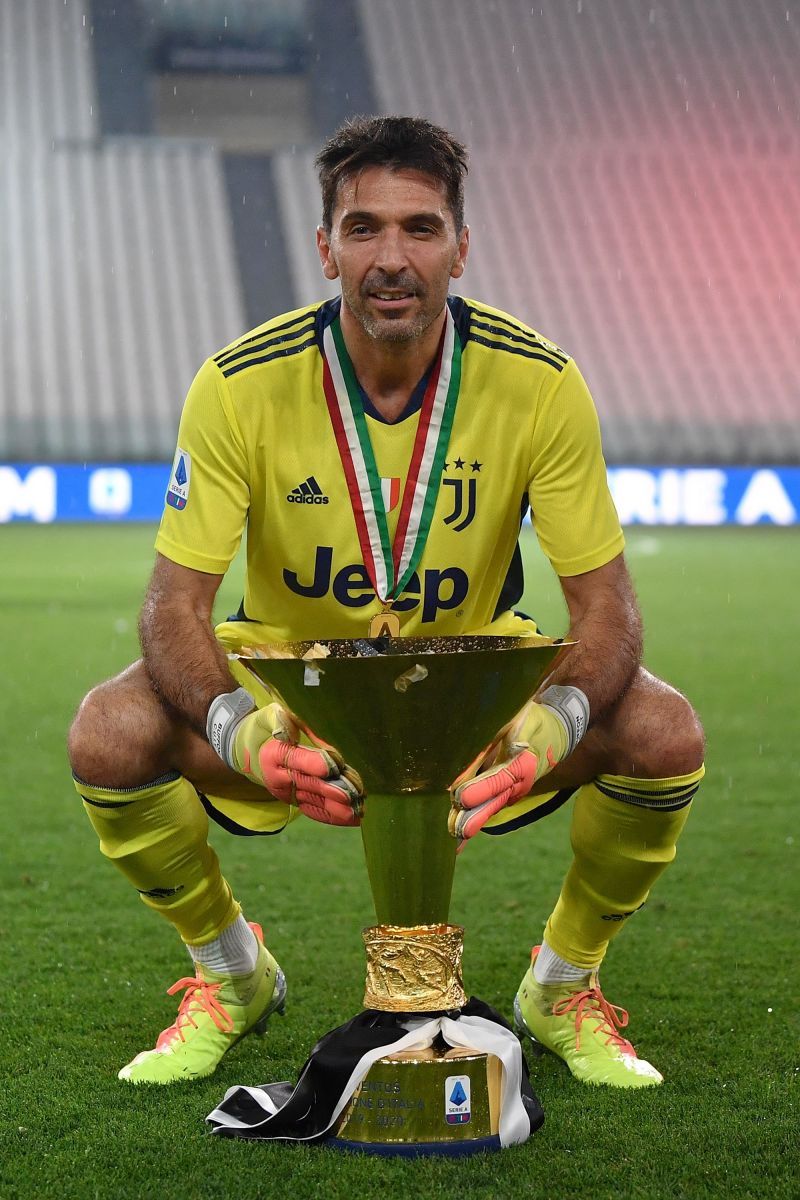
(571, 506)
(208, 496)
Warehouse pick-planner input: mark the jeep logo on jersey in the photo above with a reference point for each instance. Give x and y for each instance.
(437, 591)
(307, 493)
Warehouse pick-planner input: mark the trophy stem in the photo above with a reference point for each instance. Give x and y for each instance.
(410, 857)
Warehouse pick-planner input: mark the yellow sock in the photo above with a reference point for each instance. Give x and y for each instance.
(156, 835)
(624, 833)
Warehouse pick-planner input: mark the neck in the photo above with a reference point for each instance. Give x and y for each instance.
(389, 371)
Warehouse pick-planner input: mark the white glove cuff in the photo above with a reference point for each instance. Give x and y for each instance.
(225, 714)
(572, 707)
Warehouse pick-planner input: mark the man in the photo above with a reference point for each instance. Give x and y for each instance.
(379, 451)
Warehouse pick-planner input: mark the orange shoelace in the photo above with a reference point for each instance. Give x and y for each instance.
(199, 997)
(592, 1004)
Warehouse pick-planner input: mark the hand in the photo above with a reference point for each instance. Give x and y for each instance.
(263, 745)
(542, 736)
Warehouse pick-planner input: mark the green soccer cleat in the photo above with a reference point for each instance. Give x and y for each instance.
(215, 1013)
(576, 1022)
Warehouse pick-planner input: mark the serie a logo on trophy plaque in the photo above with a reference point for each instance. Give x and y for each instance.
(428, 1071)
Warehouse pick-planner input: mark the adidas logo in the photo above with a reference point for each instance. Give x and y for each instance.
(307, 493)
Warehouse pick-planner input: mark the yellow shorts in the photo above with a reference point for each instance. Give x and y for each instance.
(256, 817)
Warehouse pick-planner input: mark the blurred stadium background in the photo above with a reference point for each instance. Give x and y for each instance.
(634, 196)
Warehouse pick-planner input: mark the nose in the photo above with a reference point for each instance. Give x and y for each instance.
(390, 253)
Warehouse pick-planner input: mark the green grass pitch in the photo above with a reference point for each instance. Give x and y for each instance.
(708, 970)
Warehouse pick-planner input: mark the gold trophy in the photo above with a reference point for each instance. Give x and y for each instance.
(409, 715)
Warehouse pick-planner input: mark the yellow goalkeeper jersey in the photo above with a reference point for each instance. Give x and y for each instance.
(257, 451)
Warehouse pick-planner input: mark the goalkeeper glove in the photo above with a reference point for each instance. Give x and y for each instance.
(545, 733)
(262, 743)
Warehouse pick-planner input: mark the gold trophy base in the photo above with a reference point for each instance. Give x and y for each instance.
(440, 1100)
(406, 1105)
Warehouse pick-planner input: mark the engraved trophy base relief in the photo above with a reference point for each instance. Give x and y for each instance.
(428, 1071)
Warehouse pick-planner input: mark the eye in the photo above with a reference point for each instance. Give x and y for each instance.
(359, 230)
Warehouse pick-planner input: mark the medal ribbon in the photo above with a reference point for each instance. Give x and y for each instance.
(390, 566)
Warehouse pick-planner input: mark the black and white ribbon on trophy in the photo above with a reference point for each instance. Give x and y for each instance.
(339, 1062)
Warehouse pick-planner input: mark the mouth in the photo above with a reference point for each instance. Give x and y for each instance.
(388, 300)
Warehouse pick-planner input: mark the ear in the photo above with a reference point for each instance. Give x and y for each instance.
(329, 267)
(460, 260)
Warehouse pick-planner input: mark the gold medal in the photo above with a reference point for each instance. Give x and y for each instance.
(385, 624)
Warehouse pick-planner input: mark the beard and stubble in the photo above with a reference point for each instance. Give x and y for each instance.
(396, 328)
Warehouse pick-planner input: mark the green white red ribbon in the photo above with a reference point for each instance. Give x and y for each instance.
(391, 565)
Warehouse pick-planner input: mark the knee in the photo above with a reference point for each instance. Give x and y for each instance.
(120, 734)
(88, 736)
(658, 734)
(683, 741)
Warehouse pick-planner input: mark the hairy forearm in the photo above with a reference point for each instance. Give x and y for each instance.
(608, 632)
(185, 662)
(602, 664)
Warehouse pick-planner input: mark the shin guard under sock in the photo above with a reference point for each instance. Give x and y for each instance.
(156, 835)
(624, 833)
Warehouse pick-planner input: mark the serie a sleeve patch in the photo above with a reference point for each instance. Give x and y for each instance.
(179, 480)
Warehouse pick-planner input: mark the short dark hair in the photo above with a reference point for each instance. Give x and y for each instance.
(393, 142)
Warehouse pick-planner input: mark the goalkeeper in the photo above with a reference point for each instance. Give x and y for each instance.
(396, 426)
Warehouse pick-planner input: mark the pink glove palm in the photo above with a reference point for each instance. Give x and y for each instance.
(543, 735)
(317, 780)
(262, 743)
(477, 798)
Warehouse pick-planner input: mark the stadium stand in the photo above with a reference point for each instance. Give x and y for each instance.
(298, 198)
(518, 73)
(116, 256)
(647, 157)
(634, 196)
(673, 279)
(46, 85)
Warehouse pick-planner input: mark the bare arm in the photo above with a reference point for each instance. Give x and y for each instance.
(187, 665)
(606, 623)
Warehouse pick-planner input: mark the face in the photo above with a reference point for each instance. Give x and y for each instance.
(394, 247)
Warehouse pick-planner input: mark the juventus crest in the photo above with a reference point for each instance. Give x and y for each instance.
(464, 492)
